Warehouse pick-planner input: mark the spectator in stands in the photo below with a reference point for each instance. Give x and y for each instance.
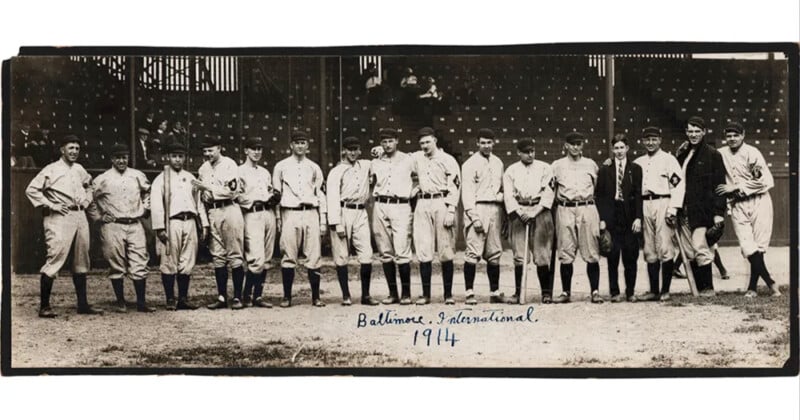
(149, 122)
(409, 92)
(178, 132)
(20, 153)
(374, 87)
(467, 95)
(144, 152)
(159, 136)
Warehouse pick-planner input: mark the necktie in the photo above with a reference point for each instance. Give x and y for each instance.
(619, 181)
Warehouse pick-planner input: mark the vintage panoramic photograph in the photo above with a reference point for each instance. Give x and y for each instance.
(505, 208)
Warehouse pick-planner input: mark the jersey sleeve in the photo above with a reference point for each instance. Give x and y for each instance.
(333, 195)
(548, 185)
(509, 198)
(157, 203)
(453, 183)
(468, 188)
(677, 183)
(319, 189)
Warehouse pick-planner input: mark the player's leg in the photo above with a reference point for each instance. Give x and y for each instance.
(136, 249)
(475, 244)
(312, 249)
(185, 248)
(381, 228)
(424, 229)
(340, 249)
(80, 262)
(233, 236)
(493, 250)
(114, 244)
(445, 248)
(567, 239)
(216, 247)
(588, 237)
(541, 245)
(361, 239)
(290, 241)
(401, 225)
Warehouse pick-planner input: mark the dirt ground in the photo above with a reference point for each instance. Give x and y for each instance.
(726, 331)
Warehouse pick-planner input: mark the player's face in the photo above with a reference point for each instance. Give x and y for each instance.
(120, 162)
(694, 133)
(427, 144)
(485, 146)
(254, 154)
(734, 139)
(70, 152)
(163, 125)
(176, 160)
(527, 156)
(389, 145)
(620, 150)
(211, 153)
(299, 147)
(574, 149)
(352, 155)
(651, 144)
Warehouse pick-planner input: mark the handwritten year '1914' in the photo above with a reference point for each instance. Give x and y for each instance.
(443, 335)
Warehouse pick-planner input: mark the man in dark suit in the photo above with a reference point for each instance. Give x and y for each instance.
(702, 206)
(619, 201)
(144, 150)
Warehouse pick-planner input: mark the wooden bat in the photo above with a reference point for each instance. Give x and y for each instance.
(686, 263)
(167, 203)
(522, 292)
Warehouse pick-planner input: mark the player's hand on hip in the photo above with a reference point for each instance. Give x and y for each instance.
(719, 220)
(340, 231)
(449, 219)
(107, 218)
(60, 209)
(637, 226)
(162, 235)
(725, 189)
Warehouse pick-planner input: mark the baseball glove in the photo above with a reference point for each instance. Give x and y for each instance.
(605, 243)
(714, 233)
(275, 199)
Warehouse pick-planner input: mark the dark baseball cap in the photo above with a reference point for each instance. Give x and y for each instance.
(425, 131)
(70, 138)
(485, 133)
(120, 149)
(387, 133)
(525, 144)
(734, 126)
(253, 143)
(211, 140)
(574, 137)
(351, 142)
(298, 135)
(176, 147)
(651, 131)
(697, 122)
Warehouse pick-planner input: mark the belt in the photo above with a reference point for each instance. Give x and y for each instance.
(257, 206)
(427, 196)
(655, 196)
(220, 204)
(183, 216)
(747, 198)
(353, 205)
(575, 203)
(391, 200)
(529, 203)
(488, 202)
(301, 207)
(126, 220)
(47, 212)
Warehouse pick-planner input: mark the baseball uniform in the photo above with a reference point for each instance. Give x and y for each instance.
(391, 218)
(303, 209)
(347, 194)
(525, 187)
(751, 205)
(438, 192)
(69, 185)
(227, 226)
(120, 195)
(260, 227)
(663, 188)
(482, 199)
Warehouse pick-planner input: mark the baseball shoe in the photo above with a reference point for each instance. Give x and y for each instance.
(676, 273)
(774, 290)
(547, 299)
(708, 293)
(184, 305)
(449, 301)
(347, 302)
(632, 299)
(471, 300)
(750, 294)
(617, 298)
(318, 303)
(145, 309)
(367, 300)
(237, 304)
(405, 301)
(498, 298)
(391, 300)
(724, 275)
(89, 310)
(218, 304)
(261, 303)
(648, 297)
(47, 312)
(665, 297)
(120, 307)
(596, 297)
(511, 300)
(285, 303)
(247, 301)
(562, 298)
(170, 306)
(423, 300)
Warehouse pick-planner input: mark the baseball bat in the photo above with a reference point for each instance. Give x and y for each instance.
(167, 204)
(522, 293)
(687, 265)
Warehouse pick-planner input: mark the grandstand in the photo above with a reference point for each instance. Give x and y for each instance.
(103, 99)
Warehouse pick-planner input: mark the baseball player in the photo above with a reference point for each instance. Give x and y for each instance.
(748, 181)
(393, 172)
(121, 196)
(219, 186)
(63, 190)
(257, 201)
(577, 220)
(528, 194)
(302, 217)
(703, 207)
(435, 214)
(482, 198)
(619, 202)
(347, 194)
(663, 188)
(176, 226)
